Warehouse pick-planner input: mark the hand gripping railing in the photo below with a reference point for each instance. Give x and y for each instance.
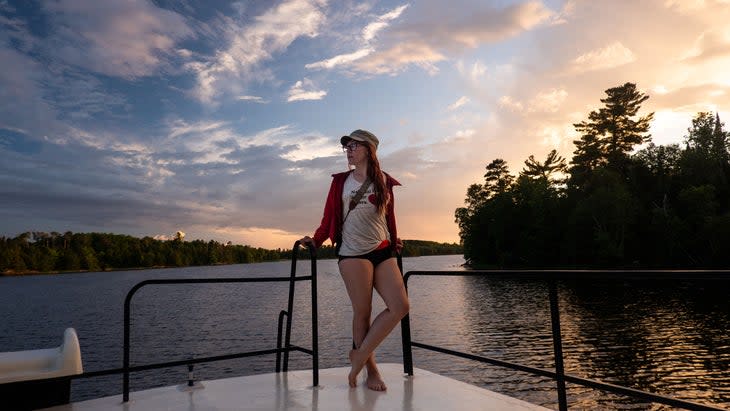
(559, 374)
(292, 279)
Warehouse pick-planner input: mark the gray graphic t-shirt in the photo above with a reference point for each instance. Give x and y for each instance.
(364, 228)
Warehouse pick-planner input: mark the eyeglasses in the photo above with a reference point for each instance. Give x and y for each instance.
(350, 146)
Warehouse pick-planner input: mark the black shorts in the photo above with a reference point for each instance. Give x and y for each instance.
(376, 256)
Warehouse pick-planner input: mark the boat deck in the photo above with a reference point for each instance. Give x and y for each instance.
(293, 391)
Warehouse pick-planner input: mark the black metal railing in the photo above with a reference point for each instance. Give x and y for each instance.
(551, 276)
(287, 347)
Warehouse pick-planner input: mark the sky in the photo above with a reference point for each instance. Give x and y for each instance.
(222, 119)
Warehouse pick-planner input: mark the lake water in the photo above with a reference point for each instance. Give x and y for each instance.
(669, 336)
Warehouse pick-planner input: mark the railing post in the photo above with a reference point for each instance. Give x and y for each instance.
(282, 313)
(290, 304)
(405, 328)
(125, 358)
(557, 344)
(315, 326)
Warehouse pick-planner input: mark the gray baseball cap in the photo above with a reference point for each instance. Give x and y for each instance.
(362, 136)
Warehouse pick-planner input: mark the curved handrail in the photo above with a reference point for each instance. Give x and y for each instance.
(558, 375)
(126, 369)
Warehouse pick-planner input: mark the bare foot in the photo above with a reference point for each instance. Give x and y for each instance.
(374, 381)
(358, 360)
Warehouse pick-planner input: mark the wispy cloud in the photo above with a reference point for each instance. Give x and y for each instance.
(368, 34)
(399, 57)
(474, 73)
(340, 60)
(305, 90)
(372, 29)
(250, 45)
(458, 103)
(255, 99)
(549, 101)
(613, 55)
(713, 43)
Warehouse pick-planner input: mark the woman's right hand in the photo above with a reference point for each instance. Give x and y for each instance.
(306, 240)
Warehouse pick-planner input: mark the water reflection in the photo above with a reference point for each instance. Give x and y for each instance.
(667, 337)
(651, 335)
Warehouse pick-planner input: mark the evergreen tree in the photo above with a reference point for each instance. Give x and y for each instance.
(588, 156)
(497, 178)
(613, 129)
(708, 138)
(553, 164)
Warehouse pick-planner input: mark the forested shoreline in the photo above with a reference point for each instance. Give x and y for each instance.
(41, 252)
(621, 201)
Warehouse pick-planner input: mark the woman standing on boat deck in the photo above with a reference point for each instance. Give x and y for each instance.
(359, 219)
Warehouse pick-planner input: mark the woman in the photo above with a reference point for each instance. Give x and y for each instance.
(359, 219)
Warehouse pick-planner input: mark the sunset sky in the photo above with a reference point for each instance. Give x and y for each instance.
(222, 119)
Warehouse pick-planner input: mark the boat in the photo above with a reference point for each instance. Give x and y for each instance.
(40, 379)
(24, 374)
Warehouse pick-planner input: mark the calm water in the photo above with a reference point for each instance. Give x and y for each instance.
(669, 337)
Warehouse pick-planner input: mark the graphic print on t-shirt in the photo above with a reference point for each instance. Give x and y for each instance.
(368, 196)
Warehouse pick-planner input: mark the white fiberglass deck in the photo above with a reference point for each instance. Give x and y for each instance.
(293, 391)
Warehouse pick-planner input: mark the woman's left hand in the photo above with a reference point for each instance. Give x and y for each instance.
(398, 245)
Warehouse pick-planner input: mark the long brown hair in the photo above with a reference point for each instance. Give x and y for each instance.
(376, 176)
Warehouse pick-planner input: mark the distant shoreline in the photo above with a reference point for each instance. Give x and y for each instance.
(40, 253)
(11, 273)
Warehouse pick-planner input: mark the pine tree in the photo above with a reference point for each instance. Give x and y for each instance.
(614, 127)
(553, 164)
(497, 178)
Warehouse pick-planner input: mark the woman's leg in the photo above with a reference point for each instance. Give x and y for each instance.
(388, 281)
(358, 277)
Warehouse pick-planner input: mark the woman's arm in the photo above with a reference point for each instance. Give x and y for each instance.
(323, 231)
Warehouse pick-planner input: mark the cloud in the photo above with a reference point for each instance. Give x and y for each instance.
(372, 29)
(340, 60)
(164, 185)
(428, 38)
(367, 36)
(610, 56)
(543, 102)
(701, 97)
(250, 45)
(510, 104)
(399, 57)
(255, 99)
(305, 90)
(458, 103)
(19, 83)
(117, 38)
(687, 6)
(714, 43)
(474, 73)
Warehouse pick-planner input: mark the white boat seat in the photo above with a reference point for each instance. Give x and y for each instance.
(45, 363)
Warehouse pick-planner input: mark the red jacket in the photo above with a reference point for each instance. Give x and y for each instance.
(331, 225)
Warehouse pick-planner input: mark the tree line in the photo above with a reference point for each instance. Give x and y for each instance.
(55, 252)
(620, 202)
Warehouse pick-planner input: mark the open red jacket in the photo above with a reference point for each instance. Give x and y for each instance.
(331, 225)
